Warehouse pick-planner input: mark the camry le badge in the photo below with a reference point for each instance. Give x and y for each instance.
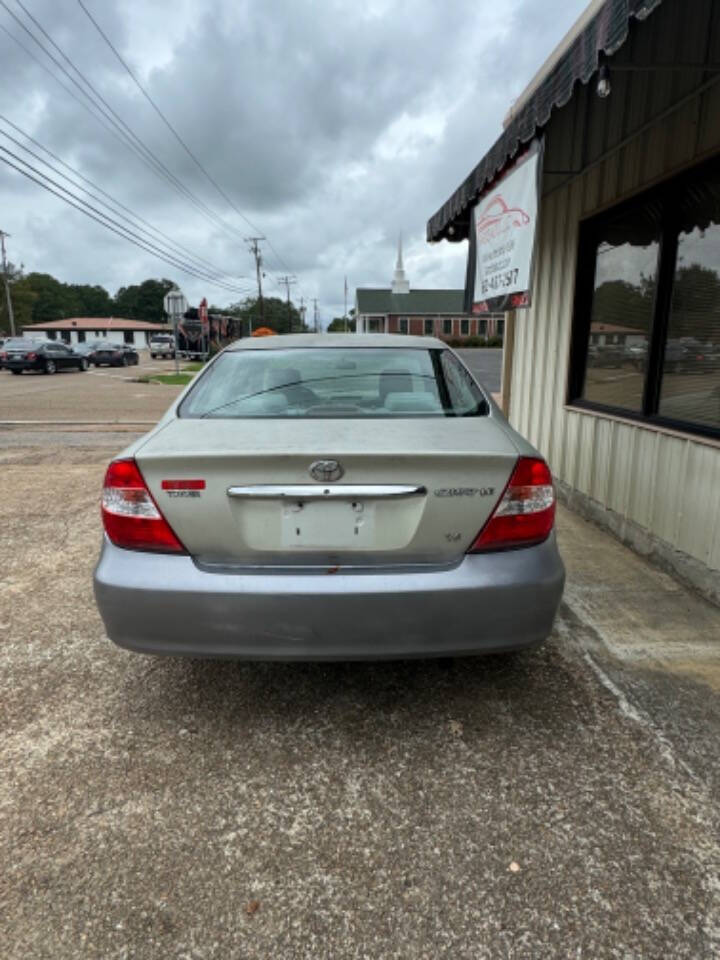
(326, 471)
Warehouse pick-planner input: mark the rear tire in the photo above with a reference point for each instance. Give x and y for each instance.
(16, 373)
(83, 365)
(124, 360)
(50, 367)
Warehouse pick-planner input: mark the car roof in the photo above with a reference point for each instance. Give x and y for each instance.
(348, 340)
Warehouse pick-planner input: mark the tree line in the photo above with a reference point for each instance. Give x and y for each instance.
(41, 298)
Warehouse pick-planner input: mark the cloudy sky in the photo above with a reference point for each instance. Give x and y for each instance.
(331, 125)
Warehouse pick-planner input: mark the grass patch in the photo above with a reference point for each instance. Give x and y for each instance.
(194, 366)
(173, 379)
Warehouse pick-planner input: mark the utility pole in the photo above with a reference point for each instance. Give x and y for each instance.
(303, 308)
(255, 250)
(345, 313)
(287, 281)
(7, 283)
(315, 314)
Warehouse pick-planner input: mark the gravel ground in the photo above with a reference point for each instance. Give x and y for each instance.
(509, 807)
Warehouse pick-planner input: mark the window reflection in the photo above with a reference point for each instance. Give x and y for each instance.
(621, 318)
(690, 387)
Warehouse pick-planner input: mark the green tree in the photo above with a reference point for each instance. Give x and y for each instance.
(695, 303)
(143, 301)
(275, 314)
(337, 325)
(92, 301)
(623, 304)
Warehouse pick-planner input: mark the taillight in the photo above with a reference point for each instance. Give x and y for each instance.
(31, 356)
(525, 513)
(131, 517)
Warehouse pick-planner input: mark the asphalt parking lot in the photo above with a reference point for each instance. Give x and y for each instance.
(101, 394)
(560, 803)
(486, 365)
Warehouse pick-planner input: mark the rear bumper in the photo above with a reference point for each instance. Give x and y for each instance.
(159, 604)
(23, 365)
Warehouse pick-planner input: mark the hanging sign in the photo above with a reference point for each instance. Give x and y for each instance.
(504, 226)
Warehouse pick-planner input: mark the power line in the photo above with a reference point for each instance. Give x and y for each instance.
(121, 231)
(162, 116)
(172, 129)
(219, 274)
(113, 123)
(128, 136)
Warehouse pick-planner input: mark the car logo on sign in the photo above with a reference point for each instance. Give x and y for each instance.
(325, 471)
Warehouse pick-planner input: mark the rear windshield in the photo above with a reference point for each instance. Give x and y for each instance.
(159, 338)
(355, 382)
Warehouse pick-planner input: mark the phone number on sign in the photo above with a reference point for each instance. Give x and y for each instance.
(499, 281)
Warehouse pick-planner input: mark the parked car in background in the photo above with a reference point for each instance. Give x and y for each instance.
(12, 343)
(114, 355)
(89, 347)
(162, 345)
(42, 356)
(321, 496)
(605, 355)
(636, 354)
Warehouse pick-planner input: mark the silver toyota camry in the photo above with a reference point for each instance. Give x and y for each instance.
(330, 497)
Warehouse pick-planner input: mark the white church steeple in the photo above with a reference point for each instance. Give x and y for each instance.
(400, 283)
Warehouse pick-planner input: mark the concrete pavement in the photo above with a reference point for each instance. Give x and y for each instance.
(561, 803)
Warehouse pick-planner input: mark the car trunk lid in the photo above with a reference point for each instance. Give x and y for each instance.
(411, 490)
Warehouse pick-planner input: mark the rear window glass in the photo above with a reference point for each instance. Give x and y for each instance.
(350, 383)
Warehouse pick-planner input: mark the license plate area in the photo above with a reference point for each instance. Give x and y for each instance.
(312, 524)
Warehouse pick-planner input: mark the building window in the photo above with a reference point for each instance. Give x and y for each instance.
(51, 334)
(482, 326)
(403, 325)
(500, 327)
(81, 336)
(447, 327)
(128, 336)
(429, 327)
(464, 327)
(648, 284)
(65, 334)
(374, 325)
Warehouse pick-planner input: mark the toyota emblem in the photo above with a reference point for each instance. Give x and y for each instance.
(325, 471)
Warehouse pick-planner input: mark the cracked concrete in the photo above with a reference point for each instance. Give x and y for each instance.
(561, 803)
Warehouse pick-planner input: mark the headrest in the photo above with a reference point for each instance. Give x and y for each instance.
(412, 403)
(282, 376)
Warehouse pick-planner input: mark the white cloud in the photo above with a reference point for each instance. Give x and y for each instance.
(333, 126)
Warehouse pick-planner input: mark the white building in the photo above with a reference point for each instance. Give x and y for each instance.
(629, 238)
(114, 329)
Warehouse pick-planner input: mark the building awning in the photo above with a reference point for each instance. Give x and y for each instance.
(604, 33)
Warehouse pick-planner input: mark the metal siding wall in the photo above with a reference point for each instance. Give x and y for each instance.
(666, 484)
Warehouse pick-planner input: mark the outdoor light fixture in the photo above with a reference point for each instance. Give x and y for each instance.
(603, 85)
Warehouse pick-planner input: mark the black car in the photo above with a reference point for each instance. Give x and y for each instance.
(44, 356)
(90, 346)
(115, 355)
